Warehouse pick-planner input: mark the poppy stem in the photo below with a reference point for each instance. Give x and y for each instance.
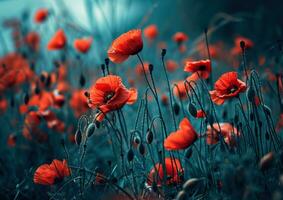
(210, 79)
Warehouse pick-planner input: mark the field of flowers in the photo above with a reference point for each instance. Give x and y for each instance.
(139, 100)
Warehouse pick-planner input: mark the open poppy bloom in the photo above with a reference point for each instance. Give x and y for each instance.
(41, 15)
(201, 68)
(228, 132)
(108, 94)
(58, 41)
(174, 172)
(184, 137)
(180, 37)
(82, 45)
(226, 87)
(127, 44)
(151, 32)
(49, 174)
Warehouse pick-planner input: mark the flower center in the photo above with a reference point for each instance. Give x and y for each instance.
(108, 96)
(233, 89)
(202, 68)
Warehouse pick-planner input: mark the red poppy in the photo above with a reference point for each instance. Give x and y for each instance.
(11, 142)
(58, 41)
(49, 174)
(41, 15)
(200, 114)
(226, 87)
(171, 65)
(108, 94)
(127, 44)
(164, 99)
(151, 32)
(82, 45)
(174, 172)
(78, 102)
(3, 105)
(201, 68)
(32, 39)
(180, 37)
(237, 49)
(184, 137)
(180, 90)
(139, 69)
(227, 131)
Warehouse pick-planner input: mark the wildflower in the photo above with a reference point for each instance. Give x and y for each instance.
(180, 90)
(32, 39)
(150, 32)
(184, 137)
(226, 87)
(174, 172)
(11, 142)
(58, 41)
(127, 44)
(171, 65)
(237, 49)
(49, 174)
(41, 15)
(201, 68)
(180, 37)
(108, 94)
(78, 102)
(82, 45)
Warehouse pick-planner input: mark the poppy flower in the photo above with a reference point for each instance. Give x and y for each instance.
(41, 15)
(184, 137)
(108, 94)
(174, 172)
(200, 114)
(3, 105)
(32, 39)
(82, 45)
(139, 69)
(58, 41)
(11, 142)
(227, 87)
(49, 174)
(78, 102)
(237, 49)
(180, 90)
(171, 65)
(164, 99)
(227, 131)
(180, 37)
(127, 44)
(150, 32)
(201, 68)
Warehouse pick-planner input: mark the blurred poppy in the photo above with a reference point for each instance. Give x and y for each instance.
(182, 138)
(32, 39)
(237, 48)
(3, 105)
(127, 44)
(49, 174)
(108, 94)
(150, 32)
(180, 37)
(171, 65)
(41, 15)
(139, 69)
(226, 87)
(11, 142)
(228, 132)
(164, 100)
(180, 90)
(174, 172)
(78, 102)
(82, 45)
(201, 68)
(58, 41)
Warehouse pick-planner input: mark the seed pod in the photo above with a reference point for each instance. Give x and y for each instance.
(149, 137)
(142, 149)
(250, 94)
(190, 184)
(82, 80)
(137, 140)
(189, 153)
(78, 137)
(267, 110)
(176, 108)
(192, 109)
(242, 44)
(266, 161)
(150, 68)
(130, 155)
(90, 129)
(181, 195)
(163, 53)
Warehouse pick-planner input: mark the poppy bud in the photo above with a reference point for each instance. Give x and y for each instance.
(103, 67)
(163, 53)
(192, 109)
(142, 149)
(90, 129)
(251, 94)
(149, 137)
(267, 110)
(130, 155)
(242, 44)
(181, 195)
(150, 68)
(82, 80)
(189, 184)
(189, 153)
(26, 98)
(78, 137)
(106, 61)
(266, 161)
(137, 140)
(176, 108)
(86, 93)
